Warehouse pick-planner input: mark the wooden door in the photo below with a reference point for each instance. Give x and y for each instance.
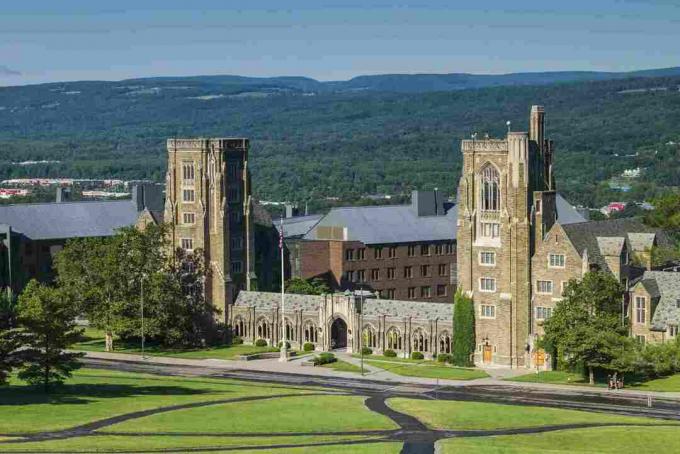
(487, 354)
(539, 358)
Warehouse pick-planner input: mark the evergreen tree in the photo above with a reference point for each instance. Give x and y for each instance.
(463, 330)
(10, 336)
(47, 319)
(301, 286)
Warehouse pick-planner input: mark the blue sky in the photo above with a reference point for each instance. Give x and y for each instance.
(42, 41)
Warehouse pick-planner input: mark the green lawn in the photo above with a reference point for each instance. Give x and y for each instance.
(330, 413)
(616, 440)
(343, 366)
(430, 370)
(666, 384)
(394, 360)
(93, 340)
(158, 443)
(95, 394)
(553, 376)
(479, 415)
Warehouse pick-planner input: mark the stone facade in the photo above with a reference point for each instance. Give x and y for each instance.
(506, 202)
(333, 321)
(208, 208)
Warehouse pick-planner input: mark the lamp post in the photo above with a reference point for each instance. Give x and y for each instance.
(284, 350)
(141, 298)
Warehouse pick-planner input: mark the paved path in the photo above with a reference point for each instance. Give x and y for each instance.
(295, 368)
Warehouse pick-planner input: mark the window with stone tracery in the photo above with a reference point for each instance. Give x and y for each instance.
(393, 339)
(491, 195)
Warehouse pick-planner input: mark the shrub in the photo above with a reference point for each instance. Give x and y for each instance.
(444, 358)
(237, 340)
(281, 343)
(417, 355)
(366, 351)
(390, 353)
(308, 347)
(324, 358)
(260, 343)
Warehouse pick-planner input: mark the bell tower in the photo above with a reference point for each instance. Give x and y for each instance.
(505, 203)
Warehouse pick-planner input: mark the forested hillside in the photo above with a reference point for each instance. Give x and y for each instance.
(310, 143)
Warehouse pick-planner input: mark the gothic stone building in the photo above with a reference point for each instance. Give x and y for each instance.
(208, 208)
(337, 321)
(516, 250)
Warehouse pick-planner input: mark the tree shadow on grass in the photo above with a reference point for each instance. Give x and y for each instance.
(84, 393)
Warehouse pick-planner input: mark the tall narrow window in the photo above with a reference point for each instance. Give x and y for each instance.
(188, 171)
(640, 309)
(490, 189)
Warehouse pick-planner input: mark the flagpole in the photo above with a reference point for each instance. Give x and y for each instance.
(284, 349)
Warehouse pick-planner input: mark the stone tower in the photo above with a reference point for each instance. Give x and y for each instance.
(207, 206)
(506, 202)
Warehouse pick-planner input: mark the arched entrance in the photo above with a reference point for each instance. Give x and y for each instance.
(338, 334)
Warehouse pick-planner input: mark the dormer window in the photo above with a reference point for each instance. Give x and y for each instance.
(491, 196)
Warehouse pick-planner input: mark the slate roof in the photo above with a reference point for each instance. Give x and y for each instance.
(372, 307)
(390, 224)
(44, 221)
(664, 285)
(566, 213)
(298, 226)
(400, 224)
(584, 235)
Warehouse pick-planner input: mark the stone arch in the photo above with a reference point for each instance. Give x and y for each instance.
(419, 341)
(393, 338)
(369, 336)
(290, 329)
(263, 328)
(444, 342)
(338, 330)
(239, 326)
(310, 331)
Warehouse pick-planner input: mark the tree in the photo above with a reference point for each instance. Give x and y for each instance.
(47, 318)
(301, 286)
(463, 330)
(10, 337)
(586, 327)
(666, 212)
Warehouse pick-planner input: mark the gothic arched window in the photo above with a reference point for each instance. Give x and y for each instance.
(239, 327)
(369, 337)
(310, 332)
(419, 341)
(444, 342)
(491, 194)
(393, 339)
(263, 328)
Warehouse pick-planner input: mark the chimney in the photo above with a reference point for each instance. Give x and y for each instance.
(63, 194)
(537, 126)
(425, 203)
(147, 195)
(289, 210)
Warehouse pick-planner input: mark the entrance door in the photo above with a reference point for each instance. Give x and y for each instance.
(338, 334)
(487, 354)
(539, 358)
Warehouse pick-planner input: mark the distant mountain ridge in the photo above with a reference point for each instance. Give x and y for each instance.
(400, 83)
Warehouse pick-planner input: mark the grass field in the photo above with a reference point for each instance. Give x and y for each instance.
(666, 384)
(93, 395)
(93, 340)
(343, 366)
(279, 419)
(592, 440)
(429, 370)
(481, 416)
